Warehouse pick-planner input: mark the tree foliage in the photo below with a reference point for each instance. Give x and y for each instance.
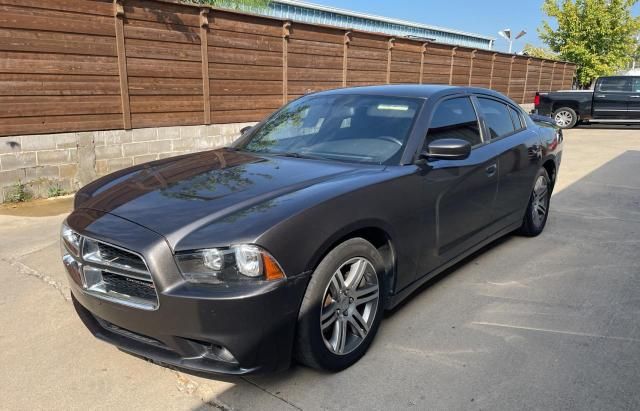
(598, 35)
(233, 4)
(636, 55)
(540, 52)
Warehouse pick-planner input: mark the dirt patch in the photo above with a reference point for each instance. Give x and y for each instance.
(39, 208)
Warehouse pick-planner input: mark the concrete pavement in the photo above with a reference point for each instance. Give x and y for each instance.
(546, 323)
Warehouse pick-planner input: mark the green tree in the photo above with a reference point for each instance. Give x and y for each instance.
(636, 55)
(233, 4)
(540, 52)
(597, 35)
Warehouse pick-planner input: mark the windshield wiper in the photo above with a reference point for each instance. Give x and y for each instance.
(295, 154)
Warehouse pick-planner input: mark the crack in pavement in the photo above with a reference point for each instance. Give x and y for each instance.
(33, 251)
(26, 270)
(271, 394)
(552, 331)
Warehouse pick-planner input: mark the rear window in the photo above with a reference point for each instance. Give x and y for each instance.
(518, 122)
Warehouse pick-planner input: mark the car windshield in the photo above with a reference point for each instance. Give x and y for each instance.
(352, 128)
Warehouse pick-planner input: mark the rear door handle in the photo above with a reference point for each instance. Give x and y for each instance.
(635, 96)
(491, 170)
(601, 95)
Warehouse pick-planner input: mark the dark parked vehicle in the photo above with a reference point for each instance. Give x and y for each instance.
(297, 238)
(615, 99)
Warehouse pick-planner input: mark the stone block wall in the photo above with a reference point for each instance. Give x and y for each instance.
(44, 164)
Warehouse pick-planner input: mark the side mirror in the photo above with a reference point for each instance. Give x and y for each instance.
(243, 130)
(447, 149)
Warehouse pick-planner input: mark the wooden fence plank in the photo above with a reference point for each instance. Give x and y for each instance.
(122, 63)
(423, 51)
(286, 33)
(493, 64)
(345, 57)
(510, 74)
(390, 45)
(453, 55)
(471, 58)
(204, 50)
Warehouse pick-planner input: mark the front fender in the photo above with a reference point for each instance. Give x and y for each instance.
(343, 233)
(300, 242)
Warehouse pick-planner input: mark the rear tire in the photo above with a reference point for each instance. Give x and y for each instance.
(342, 307)
(537, 213)
(565, 117)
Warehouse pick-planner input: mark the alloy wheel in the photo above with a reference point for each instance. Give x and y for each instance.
(349, 306)
(540, 200)
(563, 118)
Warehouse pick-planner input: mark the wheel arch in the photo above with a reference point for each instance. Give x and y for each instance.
(575, 106)
(376, 234)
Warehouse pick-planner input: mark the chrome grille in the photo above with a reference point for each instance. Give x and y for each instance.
(128, 286)
(115, 274)
(121, 258)
(114, 257)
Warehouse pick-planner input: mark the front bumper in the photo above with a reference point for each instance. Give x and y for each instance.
(255, 323)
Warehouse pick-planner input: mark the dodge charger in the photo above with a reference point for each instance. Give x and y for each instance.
(293, 241)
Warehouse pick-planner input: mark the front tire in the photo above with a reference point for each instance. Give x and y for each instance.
(342, 307)
(537, 213)
(565, 117)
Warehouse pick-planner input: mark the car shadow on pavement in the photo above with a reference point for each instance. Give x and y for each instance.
(599, 213)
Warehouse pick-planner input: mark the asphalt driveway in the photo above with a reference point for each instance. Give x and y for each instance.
(546, 323)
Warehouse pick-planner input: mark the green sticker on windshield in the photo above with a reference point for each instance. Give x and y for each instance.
(392, 107)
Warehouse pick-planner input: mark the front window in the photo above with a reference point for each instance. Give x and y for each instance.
(353, 128)
(455, 118)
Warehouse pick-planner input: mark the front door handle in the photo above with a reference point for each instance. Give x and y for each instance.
(601, 95)
(635, 96)
(491, 170)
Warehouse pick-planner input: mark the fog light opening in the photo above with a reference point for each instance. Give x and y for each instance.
(220, 353)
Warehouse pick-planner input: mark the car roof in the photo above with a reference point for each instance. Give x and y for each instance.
(410, 90)
(619, 76)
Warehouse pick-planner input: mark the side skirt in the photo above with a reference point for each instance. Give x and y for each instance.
(397, 298)
(607, 120)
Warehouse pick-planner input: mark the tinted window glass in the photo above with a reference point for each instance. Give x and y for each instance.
(497, 117)
(635, 85)
(516, 118)
(620, 84)
(343, 127)
(455, 118)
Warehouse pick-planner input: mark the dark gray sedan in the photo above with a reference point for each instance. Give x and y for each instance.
(292, 242)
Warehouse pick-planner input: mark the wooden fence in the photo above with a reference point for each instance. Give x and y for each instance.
(76, 65)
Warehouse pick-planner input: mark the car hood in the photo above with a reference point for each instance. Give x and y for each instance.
(177, 196)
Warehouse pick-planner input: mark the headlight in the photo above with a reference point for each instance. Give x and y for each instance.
(224, 265)
(70, 240)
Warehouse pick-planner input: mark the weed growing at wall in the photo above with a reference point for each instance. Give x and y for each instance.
(19, 193)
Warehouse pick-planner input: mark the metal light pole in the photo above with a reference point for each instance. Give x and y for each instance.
(506, 34)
